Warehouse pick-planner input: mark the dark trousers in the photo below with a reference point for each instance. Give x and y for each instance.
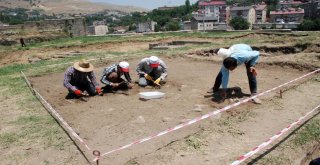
(251, 78)
(88, 86)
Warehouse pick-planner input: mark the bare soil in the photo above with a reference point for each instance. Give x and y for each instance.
(109, 121)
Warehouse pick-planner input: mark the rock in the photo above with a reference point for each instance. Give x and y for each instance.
(140, 120)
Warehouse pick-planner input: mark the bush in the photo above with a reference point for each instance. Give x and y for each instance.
(310, 25)
(172, 26)
(239, 23)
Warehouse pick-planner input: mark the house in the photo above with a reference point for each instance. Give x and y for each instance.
(98, 30)
(186, 25)
(146, 27)
(246, 12)
(215, 9)
(120, 29)
(287, 16)
(261, 13)
(210, 14)
(310, 6)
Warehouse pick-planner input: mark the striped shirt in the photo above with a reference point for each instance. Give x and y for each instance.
(113, 68)
(73, 77)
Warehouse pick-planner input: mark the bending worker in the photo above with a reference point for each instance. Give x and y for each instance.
(235, 56)
(79, 78)
(152, 71)
(111, 77)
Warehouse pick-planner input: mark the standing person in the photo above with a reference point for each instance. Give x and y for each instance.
(111, 77)
(79, 78)
(22, 42)
(151, 71)
(233, 57)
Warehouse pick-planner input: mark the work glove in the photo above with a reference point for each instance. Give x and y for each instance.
(148, 77)
(157, 81)
(99, 91)
(78, 92)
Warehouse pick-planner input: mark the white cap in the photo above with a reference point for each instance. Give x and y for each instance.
(154, 59)
(224, 52)
(124, 66)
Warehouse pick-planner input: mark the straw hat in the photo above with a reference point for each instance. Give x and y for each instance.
(154, 61)
(83, 66)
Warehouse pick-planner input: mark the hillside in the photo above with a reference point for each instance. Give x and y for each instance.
(66, 6)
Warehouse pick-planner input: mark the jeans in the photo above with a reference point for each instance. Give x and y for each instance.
(251, 78)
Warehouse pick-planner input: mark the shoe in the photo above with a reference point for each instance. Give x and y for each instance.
(256, 101)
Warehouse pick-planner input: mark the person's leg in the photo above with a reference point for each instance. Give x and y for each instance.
(252, 80)
(90, 88)
(217, 82)
(142, 81)
(156, 73)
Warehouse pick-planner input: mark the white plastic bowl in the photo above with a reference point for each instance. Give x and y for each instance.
(151, 95)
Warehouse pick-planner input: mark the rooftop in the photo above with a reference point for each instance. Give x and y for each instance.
(219, 2)
(285, 12)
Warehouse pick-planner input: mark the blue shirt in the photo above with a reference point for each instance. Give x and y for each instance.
(243, 54)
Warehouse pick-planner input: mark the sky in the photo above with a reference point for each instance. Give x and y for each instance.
(147, 4)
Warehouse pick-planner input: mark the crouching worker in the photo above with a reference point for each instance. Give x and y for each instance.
(233, 57)
(152, 71)
(112, 77)
(79, 79)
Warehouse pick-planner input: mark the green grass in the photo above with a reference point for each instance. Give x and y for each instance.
(310, 132)
(194, 142)
(6, 139)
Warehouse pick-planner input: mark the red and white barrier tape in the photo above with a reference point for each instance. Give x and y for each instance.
(200, 118)
(270, 140)
(56, 114)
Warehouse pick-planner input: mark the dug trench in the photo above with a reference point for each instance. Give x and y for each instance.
(110, 121)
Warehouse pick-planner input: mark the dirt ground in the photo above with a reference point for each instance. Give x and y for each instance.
(109, 121)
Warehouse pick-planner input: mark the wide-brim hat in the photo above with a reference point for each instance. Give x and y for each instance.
(83, 66)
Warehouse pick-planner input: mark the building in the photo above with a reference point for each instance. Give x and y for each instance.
(72, 26)
(310, 6)
(186, 25)
(120, 29)
(215, 9)
(146, 27)
(287, 16)
(246, 12)
(98, 30)
(261, 13)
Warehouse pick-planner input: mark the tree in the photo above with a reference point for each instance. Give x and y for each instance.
(173, 26)
(239, 23)
(187, 6)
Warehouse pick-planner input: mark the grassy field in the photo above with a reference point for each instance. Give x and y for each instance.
(34, 125)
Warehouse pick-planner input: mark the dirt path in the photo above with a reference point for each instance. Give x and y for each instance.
(113, 120)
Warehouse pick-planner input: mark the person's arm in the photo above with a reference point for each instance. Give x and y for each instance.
(67, 79)
(140, 67)
(104, 77)
(164, 69)
(127, 76)
(93, 79)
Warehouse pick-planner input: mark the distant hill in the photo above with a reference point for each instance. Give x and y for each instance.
(67, 6)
